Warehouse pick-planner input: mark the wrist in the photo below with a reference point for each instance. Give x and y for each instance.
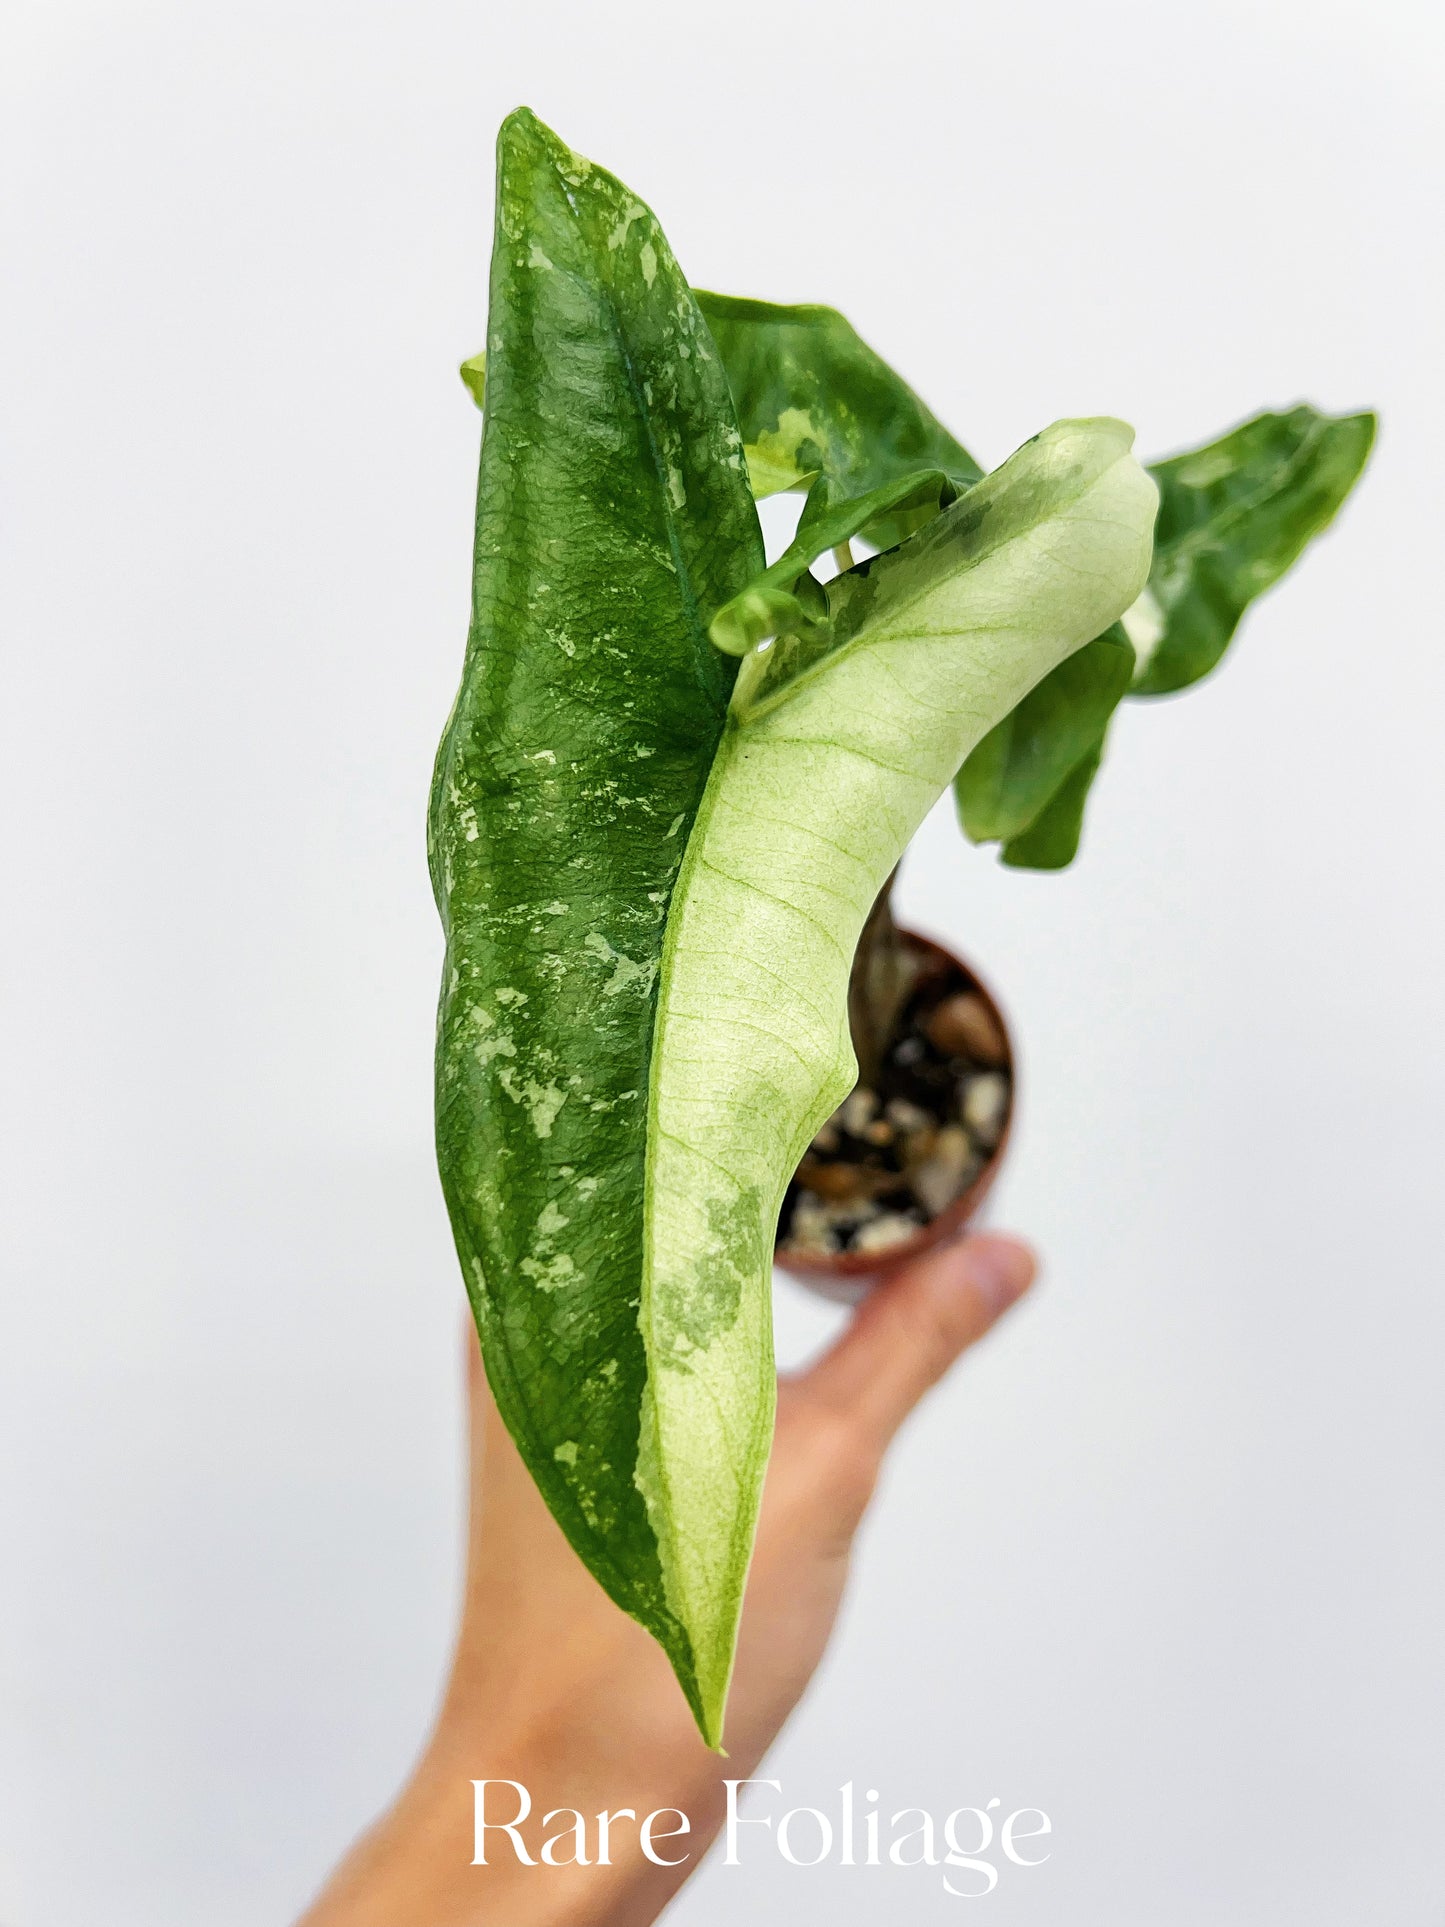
(491, 1838)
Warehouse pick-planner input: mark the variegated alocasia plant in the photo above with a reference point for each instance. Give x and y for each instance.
(819, 410)
(671, 787)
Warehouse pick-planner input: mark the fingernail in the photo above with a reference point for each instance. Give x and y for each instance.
(1000, 1271)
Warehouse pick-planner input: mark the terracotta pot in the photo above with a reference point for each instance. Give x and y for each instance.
(848, 1275)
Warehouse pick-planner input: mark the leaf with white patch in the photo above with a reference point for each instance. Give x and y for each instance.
(813, 398)
(830, 760)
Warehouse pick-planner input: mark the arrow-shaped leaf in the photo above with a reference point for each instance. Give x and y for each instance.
(1234, 515)
(613, 515)
(813, 398)
(831, 758)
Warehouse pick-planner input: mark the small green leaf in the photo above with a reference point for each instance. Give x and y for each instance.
(762, 609)
(1051, 841)
(1233, 516)
(813, 398)
(473, 372)
(770, 605)
(771, 473)
(1019, 768)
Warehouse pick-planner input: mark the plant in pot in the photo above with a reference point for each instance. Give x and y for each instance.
(672, 790)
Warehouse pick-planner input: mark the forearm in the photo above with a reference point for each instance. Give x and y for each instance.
(419, 1863)
(567, 1711)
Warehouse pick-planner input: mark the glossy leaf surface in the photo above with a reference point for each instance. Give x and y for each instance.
(1233, 516)
(813, 398)
(613, 515)
(654, 855)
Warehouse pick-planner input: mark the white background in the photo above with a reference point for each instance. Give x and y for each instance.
(1166, 1557)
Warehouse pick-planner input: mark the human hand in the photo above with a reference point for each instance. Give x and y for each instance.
(555, 1688)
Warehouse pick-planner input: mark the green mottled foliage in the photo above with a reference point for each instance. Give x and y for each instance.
(674, 780)
(613, 513)
(814, 400)
(1233, 516)
(785, 599)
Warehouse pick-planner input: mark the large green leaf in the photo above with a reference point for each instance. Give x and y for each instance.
(834, 752)
(613, 516)
(1233, 516)
(813, 398)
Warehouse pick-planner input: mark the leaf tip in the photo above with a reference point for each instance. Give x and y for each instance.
(523, 130)
(473, 372)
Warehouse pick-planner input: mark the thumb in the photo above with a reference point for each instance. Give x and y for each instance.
(912, 1327)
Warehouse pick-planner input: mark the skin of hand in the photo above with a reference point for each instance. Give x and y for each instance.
(555, 1687)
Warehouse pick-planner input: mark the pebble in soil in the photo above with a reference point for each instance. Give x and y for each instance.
(891, 1159)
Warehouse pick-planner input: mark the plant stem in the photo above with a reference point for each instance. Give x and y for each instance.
(884, 972)
(843, 556)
